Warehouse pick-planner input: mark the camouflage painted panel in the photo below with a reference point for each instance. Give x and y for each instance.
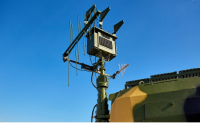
(164, 101)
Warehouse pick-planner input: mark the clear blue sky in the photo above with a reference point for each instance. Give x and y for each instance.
(158, 36)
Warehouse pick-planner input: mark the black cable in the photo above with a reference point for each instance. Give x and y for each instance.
(77, 68)
(95, 75)
(97, 66)
(90, 59)
(92, 113)
(92, 81)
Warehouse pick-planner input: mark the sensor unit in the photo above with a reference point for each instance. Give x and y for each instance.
(100, 42)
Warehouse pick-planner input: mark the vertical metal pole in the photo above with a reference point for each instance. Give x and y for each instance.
(102, 113)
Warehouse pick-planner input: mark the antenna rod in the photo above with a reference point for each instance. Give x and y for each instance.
(70, 30)
(122, 69)
(119, 72)
(75, 51)
(83, 39)
(77, 43)
(83, 30)
(70, 43)
(81, 34)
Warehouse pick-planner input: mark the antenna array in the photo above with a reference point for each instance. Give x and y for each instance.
(100, 44)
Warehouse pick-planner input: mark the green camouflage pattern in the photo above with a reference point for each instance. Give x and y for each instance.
(169, 97)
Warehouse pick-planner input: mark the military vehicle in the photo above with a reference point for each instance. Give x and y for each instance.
(161, 98)
(164, 97)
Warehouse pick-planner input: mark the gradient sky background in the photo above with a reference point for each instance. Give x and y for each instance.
(158, 36)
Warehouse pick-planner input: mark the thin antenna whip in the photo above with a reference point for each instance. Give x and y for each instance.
(122, 71)
(77, 42)
(119, 69)
(83, 38)
(75, 49)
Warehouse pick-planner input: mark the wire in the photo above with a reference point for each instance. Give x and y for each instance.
(97, 66)
(92, 113)
(90, 59)
(95, 75)
(92, 81)
(77, 68)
